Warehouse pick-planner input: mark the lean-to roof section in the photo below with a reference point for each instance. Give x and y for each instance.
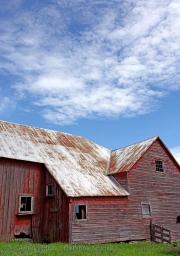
(123, 159)
(78, 165)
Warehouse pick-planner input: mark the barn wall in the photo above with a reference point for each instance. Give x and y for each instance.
(20, 177)
(109, 219)
(56, 214)
(160, 189)
(113, 219)
(122, 179)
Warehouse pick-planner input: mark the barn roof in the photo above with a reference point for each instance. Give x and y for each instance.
(123, 159)
(78, 165)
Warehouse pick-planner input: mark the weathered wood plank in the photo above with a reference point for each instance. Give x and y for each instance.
(24, 178)
(116, 218)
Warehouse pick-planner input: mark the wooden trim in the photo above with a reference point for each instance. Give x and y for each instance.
(48, 197)
(32, 204)
(26, 213)
(71, 214)
(150, 209)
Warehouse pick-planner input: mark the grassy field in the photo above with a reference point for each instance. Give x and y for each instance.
(138, 249)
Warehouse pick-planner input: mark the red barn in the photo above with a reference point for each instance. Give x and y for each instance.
(60, 187)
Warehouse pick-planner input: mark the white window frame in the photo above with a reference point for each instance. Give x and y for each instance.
(158, 160)
(47, 190)
(32, 204)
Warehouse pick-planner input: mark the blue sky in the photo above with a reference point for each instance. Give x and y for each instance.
(105, 70)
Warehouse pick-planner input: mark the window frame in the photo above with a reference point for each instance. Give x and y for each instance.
(150, 210)
(32, 204)
(47, 186)
(75, 216)
(163, 167)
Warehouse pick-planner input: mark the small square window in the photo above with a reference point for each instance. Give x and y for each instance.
(80, 212)
(146, 209)
(26, 204)
(49, 190)
(159, 166)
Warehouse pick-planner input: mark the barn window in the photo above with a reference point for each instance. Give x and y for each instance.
(49, 190)
(80, 212)
(159, 166)
(146, 209)
(178, 219)
(26, 204)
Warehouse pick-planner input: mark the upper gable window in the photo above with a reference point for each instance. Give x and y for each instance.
(159, 166)
(49, 190)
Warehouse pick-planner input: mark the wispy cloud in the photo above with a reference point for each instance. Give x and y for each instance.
(6, 105)
(176, 153)
(83, 59)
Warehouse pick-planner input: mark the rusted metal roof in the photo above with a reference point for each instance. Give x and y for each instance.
(123, 159)
(78, 165)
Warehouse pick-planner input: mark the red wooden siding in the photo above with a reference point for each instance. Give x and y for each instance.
(122, 177)
(23, 222)
(19, 178)
(111, 219)
(160, 189)
(55, 214)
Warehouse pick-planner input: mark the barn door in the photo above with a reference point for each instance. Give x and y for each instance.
(23, 226)
(23, 220)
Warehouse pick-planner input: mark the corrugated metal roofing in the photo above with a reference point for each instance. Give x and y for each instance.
(123, 159)
(78, 165)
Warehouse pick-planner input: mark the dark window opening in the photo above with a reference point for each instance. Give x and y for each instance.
(49, 190)
(26, 203)
(159, 166)
(146, 209)
(80, 212)
(178, 219)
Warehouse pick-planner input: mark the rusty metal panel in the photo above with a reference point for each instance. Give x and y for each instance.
(78, 165)
(124, 158)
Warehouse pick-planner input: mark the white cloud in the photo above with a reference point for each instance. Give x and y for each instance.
(85, 59)
(176, 153)
(6, 105)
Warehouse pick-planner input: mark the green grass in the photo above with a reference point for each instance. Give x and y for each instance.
(139, 249)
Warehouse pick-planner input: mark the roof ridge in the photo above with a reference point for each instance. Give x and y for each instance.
(154, 137)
